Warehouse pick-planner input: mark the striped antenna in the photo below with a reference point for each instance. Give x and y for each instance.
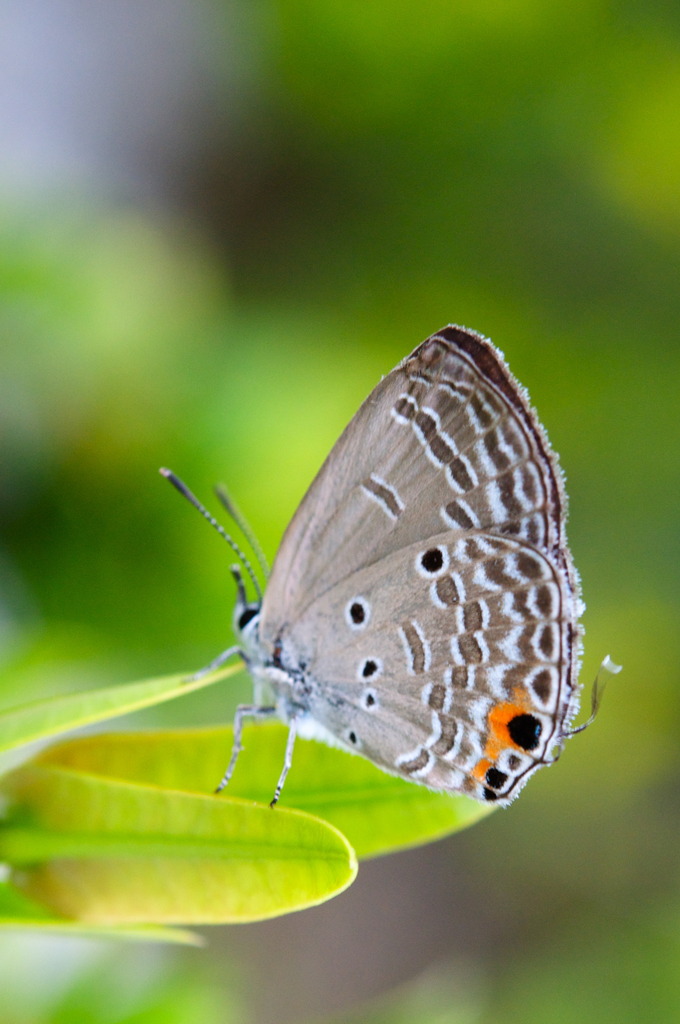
(235, 512)
(180, 486)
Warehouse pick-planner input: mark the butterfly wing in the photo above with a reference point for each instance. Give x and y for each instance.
(424, 583)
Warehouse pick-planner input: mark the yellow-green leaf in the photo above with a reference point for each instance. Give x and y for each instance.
(107, 852)
(54, 715)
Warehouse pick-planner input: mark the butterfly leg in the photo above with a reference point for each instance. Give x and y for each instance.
(215, 663)
(242, 711)
(287, 761)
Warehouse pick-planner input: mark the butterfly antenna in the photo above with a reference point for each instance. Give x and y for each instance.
(185, 492)
(235, 512)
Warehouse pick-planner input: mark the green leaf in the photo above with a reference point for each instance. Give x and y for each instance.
(18, 911)
(107, 852)
(54, 715)
(378, 813)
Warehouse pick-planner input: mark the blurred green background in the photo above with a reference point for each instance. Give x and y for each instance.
(220, 223)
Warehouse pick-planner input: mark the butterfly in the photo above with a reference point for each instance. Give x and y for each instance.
(423, 607)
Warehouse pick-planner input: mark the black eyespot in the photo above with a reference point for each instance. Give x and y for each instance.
(357, 613)
(525, 731)
(352, 737)
(432, 560)
(246, 615)
(370, 668)
(370, 698)
(490, 795)
(496, 778)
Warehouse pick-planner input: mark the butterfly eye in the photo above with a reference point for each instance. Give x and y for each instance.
(246, 615)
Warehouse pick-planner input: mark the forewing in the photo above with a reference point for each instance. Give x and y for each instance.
(447, 440)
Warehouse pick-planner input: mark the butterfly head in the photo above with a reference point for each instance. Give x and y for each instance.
(246, 613)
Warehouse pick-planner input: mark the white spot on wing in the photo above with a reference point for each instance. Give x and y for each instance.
(408, 652)
(427, 651)
(436, 731)
(435, 598)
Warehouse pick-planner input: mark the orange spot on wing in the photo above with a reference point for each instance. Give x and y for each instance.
(499, 718)
(481, 768)
(499, 736)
